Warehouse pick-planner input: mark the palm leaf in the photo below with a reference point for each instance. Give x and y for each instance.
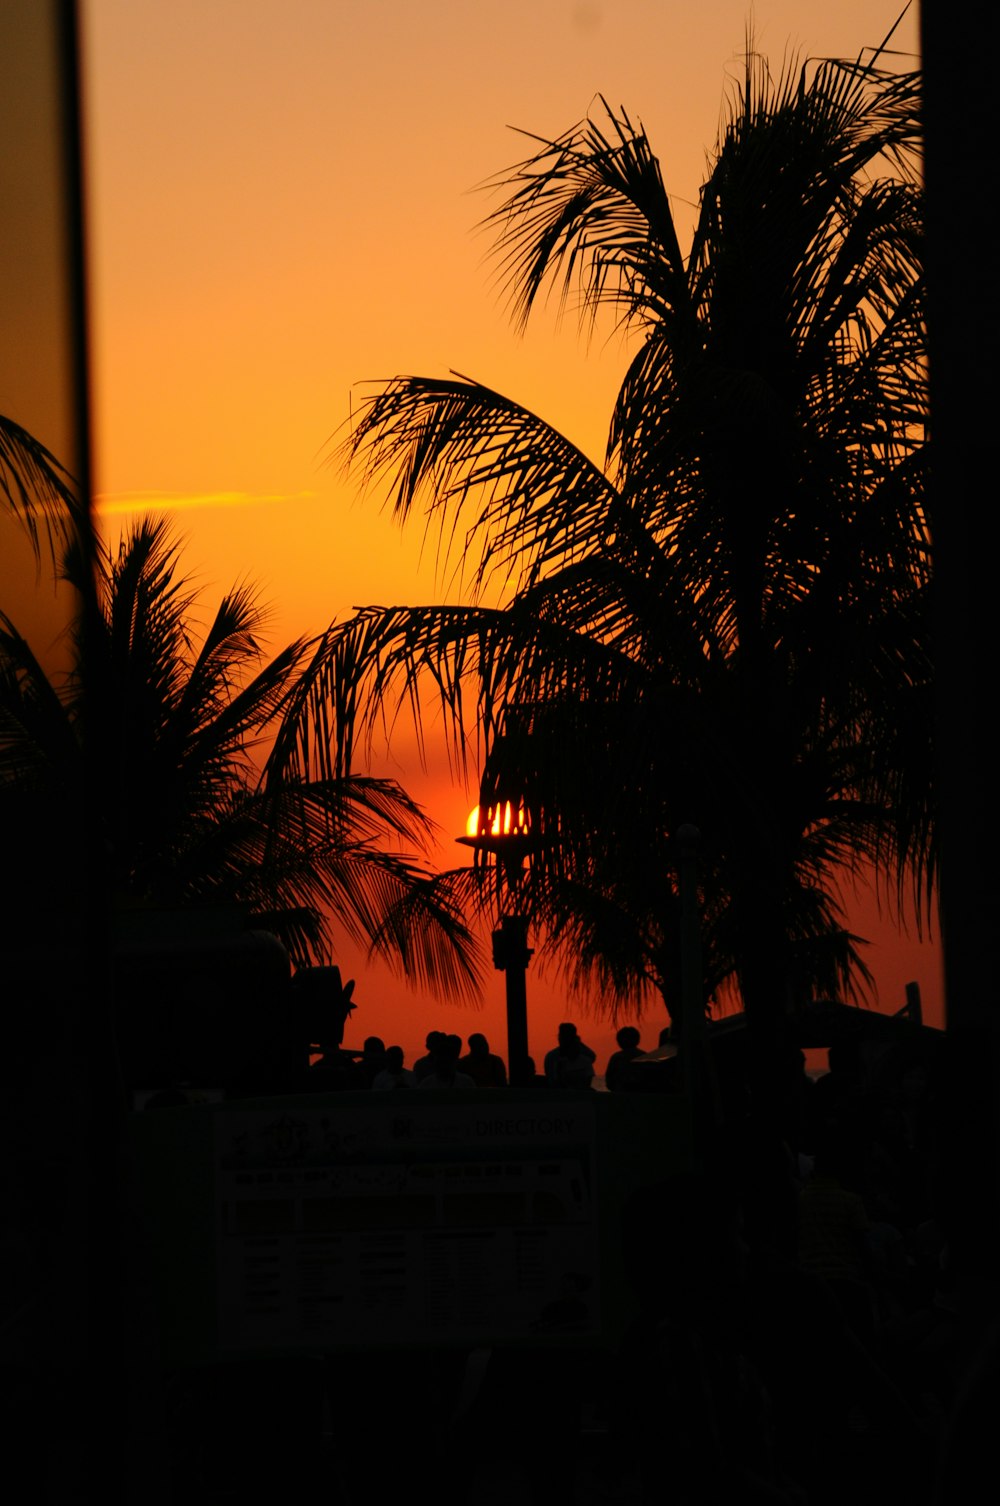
(36, 488)
(156, 733)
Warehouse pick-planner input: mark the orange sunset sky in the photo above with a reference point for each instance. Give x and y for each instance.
(282, 205)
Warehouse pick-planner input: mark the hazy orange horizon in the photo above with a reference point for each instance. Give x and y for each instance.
(282, 206)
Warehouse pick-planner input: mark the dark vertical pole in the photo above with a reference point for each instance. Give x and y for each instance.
(963, 317)
(964, 337)
(66, 938)
(511, 955)
(108, 1413)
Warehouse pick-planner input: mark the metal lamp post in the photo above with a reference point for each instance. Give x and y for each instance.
(503, 828)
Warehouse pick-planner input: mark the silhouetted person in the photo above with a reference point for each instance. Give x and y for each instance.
(425, 1064)
(393, 1074)
(485, 1068)
(372, 1059)
(616, 1073)
(445, 1073)
(571, 1063)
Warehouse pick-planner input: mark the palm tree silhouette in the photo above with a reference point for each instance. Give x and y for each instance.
(193, 756)
(725, 624)
(35, 487)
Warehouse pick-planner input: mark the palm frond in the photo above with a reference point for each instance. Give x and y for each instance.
(37, 489)
(589, 210)
(535, 497)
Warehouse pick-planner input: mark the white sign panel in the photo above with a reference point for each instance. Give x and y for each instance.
(405, 1222)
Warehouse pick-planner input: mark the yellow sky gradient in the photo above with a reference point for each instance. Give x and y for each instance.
(282, 206)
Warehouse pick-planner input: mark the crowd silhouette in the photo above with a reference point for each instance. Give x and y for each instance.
(798, 1335)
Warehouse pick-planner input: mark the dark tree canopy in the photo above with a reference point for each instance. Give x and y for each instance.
(727, 623)
(181, 753)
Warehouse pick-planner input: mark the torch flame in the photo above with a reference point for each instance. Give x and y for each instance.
(501, 820)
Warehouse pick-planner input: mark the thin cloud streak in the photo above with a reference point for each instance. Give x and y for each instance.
(108, 504)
